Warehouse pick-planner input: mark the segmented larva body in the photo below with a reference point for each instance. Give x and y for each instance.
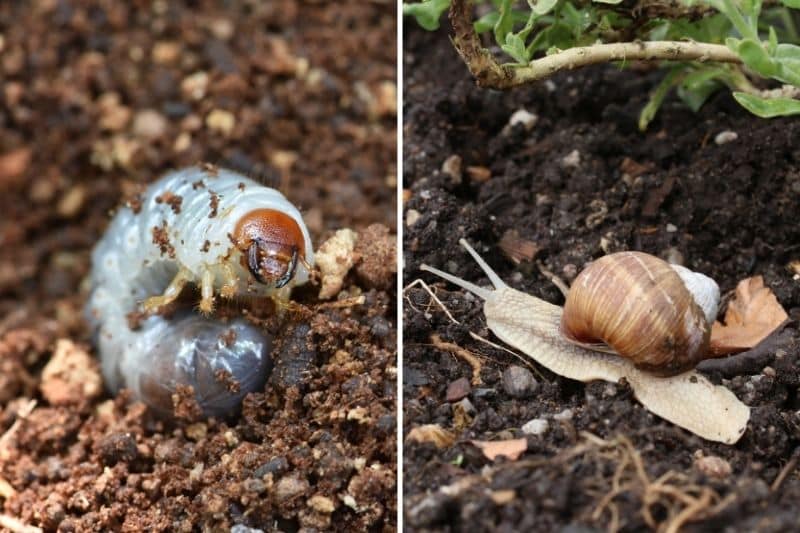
(227, 234)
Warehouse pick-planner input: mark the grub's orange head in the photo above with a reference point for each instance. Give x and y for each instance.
(272, 244)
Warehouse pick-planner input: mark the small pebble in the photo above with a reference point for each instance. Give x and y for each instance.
(71, 376)
(279, 465)
(289, 487)
(221, 121)
(452, 167)
(523, 117)
(566, 414)
(672, 228)
(571, 160)
(412, 216)
(537, 426)
(385, 101)
(149, 124)
(725, 137)
(113, 115)
(166, 52)
(182, 142)
(518, 382)
(712, 466)
(13, 165)
(221, 28)
(458, 389)
(334, 259)
(321, 504)
(72, 202)
(466, 406)
(196, 431)
(194, 86)
(241, 528)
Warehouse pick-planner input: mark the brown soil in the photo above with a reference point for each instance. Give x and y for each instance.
(100, 98)
(583, 181)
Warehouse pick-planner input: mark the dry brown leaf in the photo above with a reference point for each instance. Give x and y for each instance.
(510, 448)
(440, 437)
(753, 313)
(517, 248)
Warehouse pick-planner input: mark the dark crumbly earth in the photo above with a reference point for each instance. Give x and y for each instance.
(99, 99)
(579, 183)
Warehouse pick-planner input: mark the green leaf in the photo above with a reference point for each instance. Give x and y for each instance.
(515, 47)
(788, 58)
(789, 73)
(504, 23)
(749, 7)
(773, 41)
(787, 51)
(694, 91)
(578, 20)
(427, 13)
(757, 58)
(768, 107)
(486, 22)
(542, 7)
(701, 77)
(657, 97)
(795, 4)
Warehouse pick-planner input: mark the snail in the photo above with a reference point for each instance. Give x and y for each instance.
(655, 314)
(211, 227)
(540, 330)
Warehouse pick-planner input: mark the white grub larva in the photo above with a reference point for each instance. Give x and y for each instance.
(214, 228)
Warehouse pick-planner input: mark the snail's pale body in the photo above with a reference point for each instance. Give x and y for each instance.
(534, 327)
(185, 231)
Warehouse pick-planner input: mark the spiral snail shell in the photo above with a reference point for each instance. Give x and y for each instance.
(655, 314)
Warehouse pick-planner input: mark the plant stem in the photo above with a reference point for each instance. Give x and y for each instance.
(603, 53)
(489, 73)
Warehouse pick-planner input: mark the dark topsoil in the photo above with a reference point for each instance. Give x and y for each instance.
(730, 210)
(96, 103)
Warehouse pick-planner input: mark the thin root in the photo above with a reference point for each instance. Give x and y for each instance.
(16, 526)
(341, 304)
(22, 414)
(787, 469)
(433, 296)
(463, 353)
(558, 282)
(525, 360)
(438, 302)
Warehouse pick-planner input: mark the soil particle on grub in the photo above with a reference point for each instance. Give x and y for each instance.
(581, 182)
(97, 101)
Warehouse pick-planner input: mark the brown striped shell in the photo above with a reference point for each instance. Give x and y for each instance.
(639, 306)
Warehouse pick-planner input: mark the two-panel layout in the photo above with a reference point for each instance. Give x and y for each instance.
(434, 266)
